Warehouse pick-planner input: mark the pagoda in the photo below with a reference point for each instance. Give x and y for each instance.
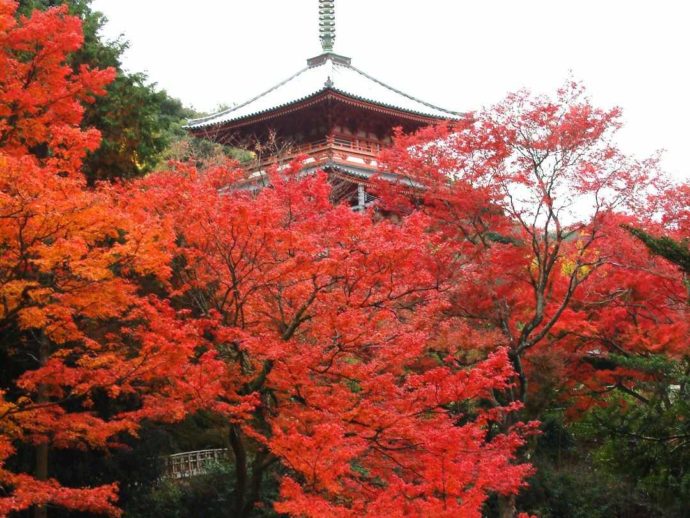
(330, 111)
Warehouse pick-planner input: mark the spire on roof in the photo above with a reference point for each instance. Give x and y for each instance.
(327, 24)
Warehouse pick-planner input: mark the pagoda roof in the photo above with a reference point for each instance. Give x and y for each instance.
(328, 72)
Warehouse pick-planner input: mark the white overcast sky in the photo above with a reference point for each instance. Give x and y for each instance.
(459, 54)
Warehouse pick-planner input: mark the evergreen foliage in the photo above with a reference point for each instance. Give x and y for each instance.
(670, 249)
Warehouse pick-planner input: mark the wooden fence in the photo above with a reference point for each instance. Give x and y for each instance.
(193, 463)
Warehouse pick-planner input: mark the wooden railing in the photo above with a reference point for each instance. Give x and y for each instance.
(324, 149)
(193, 463)
(363, 146)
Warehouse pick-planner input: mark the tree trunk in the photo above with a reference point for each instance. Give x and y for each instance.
(41, 473)
(41, 450)
(506, 506)
(241, 474)
(261, 462)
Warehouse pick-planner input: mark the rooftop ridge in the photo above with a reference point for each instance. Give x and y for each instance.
(400, 92)
(322, 58)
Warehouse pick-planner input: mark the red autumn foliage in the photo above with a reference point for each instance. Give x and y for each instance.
(382, 363)
(326, 318)
(308, 326)
(41, 98)
(529, 197)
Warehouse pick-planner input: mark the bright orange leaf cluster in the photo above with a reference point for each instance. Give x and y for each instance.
(69, 263)
(41, 98)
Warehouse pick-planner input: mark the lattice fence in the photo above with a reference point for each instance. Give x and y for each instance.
(193, 463)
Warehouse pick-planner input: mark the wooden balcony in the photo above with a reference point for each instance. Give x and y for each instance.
(338, 149)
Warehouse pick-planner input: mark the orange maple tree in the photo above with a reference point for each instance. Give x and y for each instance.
(73, 325)
(41, 98)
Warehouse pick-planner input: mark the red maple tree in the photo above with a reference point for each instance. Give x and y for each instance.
(326, 318)
(532, 194)
(529, 197)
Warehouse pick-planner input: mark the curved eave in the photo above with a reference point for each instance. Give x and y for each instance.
(207, 120)
(353, 173)
(315, 98)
